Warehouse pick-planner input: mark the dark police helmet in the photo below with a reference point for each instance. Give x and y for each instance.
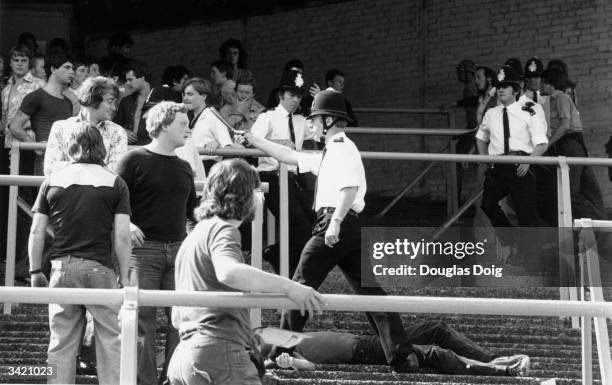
(329, 102)
(534, 68)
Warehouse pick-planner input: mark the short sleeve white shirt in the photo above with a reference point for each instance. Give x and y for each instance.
(527, 130)
(274, 125)
(338, 167)
(208, 128)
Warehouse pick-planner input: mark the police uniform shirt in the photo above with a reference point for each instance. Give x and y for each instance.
(527, 129)
(338, 167)
(274, 125)
(542, 107)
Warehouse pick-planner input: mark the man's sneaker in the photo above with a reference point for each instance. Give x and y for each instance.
(507, 360)
(520, 368)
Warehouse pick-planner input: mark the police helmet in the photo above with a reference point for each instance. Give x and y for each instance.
(329, 102)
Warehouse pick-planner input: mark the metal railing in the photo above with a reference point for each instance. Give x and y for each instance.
(131, 299)
(591, 285)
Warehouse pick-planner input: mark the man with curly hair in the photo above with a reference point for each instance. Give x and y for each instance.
(217, 344)
(162, 197)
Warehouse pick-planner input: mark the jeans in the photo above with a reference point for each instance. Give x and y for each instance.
(447, 361)
(66, 321)
(152, 268)
(201, 359)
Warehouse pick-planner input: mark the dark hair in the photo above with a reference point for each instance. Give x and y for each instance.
(57, 45)
(557, 64)
(224, 66)
(78, 62)
(92, 91)
(488, 74)
(234, 43)
(24, 37)
(228, 192)
(55, 60)
(21, 50)
(200, 85)
(556, 78)
(174, 74)
(331, 75)
(297, 63)
(247, 80)
(86, 145)
(119, 40)
(140, 69)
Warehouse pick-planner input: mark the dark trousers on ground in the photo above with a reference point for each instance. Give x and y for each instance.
(318, 260)
(300, 219)
(546, 190)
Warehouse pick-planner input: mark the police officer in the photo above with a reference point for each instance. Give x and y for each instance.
(511, 128)
(283, 126)
(546, 175)
(336, 234)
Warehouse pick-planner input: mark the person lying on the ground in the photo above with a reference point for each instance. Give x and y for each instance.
(436, 346)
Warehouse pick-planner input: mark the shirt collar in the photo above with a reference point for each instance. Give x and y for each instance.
(28, 78)
(281, 110)
(100, 126)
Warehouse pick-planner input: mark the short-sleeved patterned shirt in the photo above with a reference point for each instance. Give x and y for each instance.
(12, 96)
(56, 155)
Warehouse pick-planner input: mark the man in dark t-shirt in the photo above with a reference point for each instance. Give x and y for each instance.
(86, 205)
(44, 106)
(162, 197)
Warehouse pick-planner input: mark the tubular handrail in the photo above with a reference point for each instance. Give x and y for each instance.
(333, 302)
(407, 131)
(374, 110)
(468, 158)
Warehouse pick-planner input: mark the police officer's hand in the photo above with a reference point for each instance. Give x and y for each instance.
(38, 280)
(314, 90)
(210, 147)
(244, 139)
(332, 235)
(307, 298)
(522, 169)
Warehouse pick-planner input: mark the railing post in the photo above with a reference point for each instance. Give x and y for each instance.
(283, 180)
(567, 265)
(585, 324)
(452, 190)
(11, 232)
(595, 288)
(256, 247)
(129, 336)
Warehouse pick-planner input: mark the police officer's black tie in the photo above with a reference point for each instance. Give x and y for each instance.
(291, 129)
(535, 96)
(506, 132)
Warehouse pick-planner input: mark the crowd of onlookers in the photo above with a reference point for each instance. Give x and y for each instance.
(87, 112)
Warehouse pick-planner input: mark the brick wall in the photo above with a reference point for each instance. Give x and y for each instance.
(397, 54)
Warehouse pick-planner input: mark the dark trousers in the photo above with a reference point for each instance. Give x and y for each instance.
(501, 181)
(300, 219)
(318, 260)
(4, 194)
(437, 346)
(587, 200)
(546, 190)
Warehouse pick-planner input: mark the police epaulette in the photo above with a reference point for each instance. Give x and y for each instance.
(339, 140)
(527, 107)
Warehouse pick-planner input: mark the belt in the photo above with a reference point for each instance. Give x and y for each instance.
(517, 153)
(323, 210)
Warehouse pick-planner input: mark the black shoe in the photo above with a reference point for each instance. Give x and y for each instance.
(86, 368)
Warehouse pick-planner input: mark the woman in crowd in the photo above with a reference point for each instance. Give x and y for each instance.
(233, 51)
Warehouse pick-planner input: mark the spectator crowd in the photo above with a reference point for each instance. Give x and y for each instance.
(133, 218)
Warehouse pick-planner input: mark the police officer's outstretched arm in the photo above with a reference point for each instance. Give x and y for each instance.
(281, 153)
